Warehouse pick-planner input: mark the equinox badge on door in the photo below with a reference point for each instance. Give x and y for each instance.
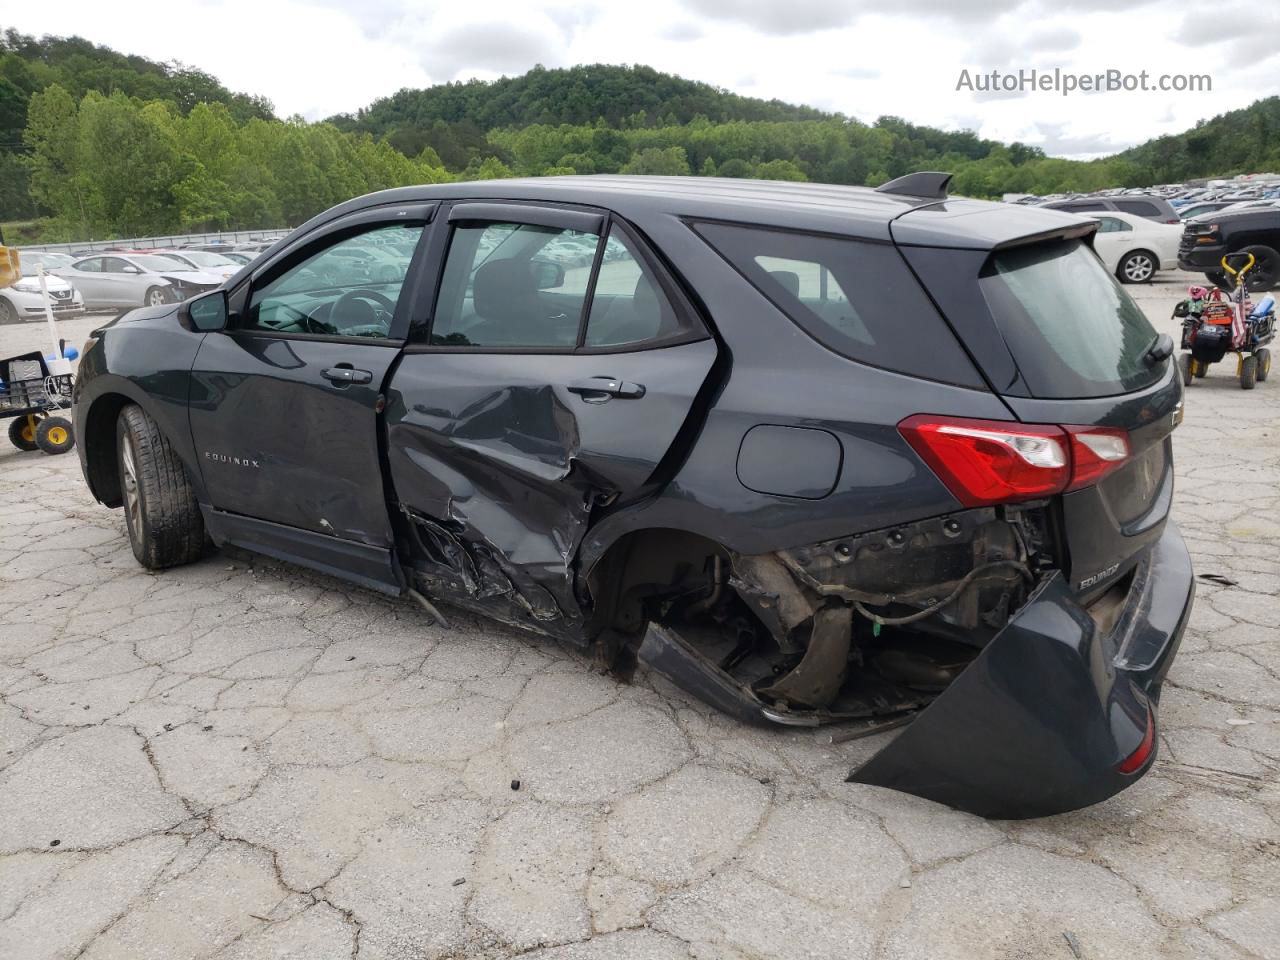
(233, 461)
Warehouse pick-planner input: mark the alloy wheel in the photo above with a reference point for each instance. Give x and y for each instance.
(129, 480)
(1139, 268)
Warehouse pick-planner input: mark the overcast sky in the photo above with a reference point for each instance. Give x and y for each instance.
(320, 57)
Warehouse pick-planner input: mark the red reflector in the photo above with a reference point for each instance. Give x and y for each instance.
(990, 461)
(1136, 760)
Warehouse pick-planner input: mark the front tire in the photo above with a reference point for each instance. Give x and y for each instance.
(55, 435)
(1137, 266)
(1264, 363)
(1218, 279)
(8, 312)
(160, 509)
(1248, 373)
(1266, 272)
(155, 297)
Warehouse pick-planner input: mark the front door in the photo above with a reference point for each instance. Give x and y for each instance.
(560, 367)
(285, 404)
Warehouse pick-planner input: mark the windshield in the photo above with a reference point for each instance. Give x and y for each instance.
(202, 258)
(1071, 327)
(50, 261)
(161, 264)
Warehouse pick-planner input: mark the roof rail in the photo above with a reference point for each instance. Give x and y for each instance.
(929, 184)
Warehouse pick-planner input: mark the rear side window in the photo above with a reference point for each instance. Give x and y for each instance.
(1071, 327)
(1077, 207)
(855, 297)
(1139, 208)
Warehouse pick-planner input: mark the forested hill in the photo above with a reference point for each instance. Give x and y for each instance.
(29, 64)
(95, 143)
(1242, 141)
(617, 95)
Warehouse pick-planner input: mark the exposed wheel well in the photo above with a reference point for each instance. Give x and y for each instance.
(99, 444)
(646, 564)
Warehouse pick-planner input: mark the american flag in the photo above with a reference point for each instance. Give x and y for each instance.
(1238, 321)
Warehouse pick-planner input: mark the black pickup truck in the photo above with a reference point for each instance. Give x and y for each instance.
(818, 454)
(1206, 240)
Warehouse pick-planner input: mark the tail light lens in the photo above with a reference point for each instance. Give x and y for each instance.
(992, 461)
(1095, 452)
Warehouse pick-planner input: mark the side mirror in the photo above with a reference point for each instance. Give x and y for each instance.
(547, 274)
(206, 314)
(130, 268)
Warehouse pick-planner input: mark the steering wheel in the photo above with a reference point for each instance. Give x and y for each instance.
(367, 300)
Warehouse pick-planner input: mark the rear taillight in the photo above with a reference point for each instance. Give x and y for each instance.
(993, 461)
(1095, 452)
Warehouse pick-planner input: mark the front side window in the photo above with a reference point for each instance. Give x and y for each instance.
(348, 288)
(92, 265)
(855, 297)
(115, 265)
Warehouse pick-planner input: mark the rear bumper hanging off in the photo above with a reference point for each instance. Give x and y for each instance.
(1045, 718)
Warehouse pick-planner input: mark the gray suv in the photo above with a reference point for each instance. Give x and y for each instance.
(820, 455)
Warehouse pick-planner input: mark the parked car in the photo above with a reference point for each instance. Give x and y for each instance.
(218, 264)
(818, 454)
(1134, 248)
(1255, 230)
(1202, 207)
(23, 300)
(130, 279)
(1151, 207)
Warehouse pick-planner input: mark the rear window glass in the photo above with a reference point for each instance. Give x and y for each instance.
(855, 297)
(1141, 208)
(1071, 327)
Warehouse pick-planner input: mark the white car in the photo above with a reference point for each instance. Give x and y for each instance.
(1134, 248)
(22, 300)
(205, 261)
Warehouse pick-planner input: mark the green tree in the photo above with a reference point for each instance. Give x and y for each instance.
(655, 161)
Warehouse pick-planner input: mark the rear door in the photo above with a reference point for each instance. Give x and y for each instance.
(285, 404)
(559, 368)
(1063, 343)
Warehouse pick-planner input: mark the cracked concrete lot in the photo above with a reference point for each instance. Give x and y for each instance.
(239, 759)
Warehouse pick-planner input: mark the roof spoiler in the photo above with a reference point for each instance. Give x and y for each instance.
(931, 185)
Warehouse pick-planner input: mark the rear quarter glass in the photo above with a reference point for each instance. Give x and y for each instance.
(1071, 328)
(857, 298)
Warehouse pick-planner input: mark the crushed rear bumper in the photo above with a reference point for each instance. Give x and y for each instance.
(1039, 722)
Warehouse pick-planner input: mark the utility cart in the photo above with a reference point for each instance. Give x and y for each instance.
(34, 399)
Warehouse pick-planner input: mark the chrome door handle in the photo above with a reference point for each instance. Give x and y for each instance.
(600, 389)
(344, 375)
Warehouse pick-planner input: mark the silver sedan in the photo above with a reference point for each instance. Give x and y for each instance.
(135, 279)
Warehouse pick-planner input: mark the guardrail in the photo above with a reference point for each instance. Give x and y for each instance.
(156, 243)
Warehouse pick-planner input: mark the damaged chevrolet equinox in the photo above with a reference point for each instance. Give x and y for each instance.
(818, 454)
